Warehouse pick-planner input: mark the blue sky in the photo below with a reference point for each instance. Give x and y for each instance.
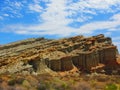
(21, 19)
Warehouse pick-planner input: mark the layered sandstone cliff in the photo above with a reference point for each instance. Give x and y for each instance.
(41, 55)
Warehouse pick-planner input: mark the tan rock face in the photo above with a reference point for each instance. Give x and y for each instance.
(66, 63)
(42, 55)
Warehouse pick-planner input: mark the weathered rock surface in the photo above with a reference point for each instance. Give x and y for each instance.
(43, 55)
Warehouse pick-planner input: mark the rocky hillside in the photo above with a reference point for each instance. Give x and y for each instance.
(39, 55)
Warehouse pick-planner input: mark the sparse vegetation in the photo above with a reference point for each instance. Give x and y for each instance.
(48, 82)
(111, 87)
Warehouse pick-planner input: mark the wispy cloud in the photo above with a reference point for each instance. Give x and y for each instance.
(57, 15)
(116, 41)
(101, 25)
(91, 7)
(11, 9)
(6, 15)
(35, 7)
(53, 27)
(116, 38)
(56, 21)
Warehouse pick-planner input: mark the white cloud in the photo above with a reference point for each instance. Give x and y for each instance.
(35, 7)
(94, 4)
(18, 4)
(6, 15)
(92, 7)
(11, 9)
(117, 44)
(55, 21)
(108, 33)
(58, 14)
(116, 41)
(53, 27)
(100, 25)
(116, 17)
(116, 38)
(36, 1)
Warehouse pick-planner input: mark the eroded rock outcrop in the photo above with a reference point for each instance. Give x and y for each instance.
(41, 55)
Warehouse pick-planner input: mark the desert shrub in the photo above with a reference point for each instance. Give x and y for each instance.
(41, 87)
(33, 81)
(102, 78)
(93, 83)
(81, 86)
(17, 88)
(111, 87)
(65, 86)
(57, 84)
(19, 80)
(26, 84)
(58, 87)
(11, 82)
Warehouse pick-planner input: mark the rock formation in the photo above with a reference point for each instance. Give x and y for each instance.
(41, 55)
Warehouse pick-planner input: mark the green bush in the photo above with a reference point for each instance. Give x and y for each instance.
(111, 87)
